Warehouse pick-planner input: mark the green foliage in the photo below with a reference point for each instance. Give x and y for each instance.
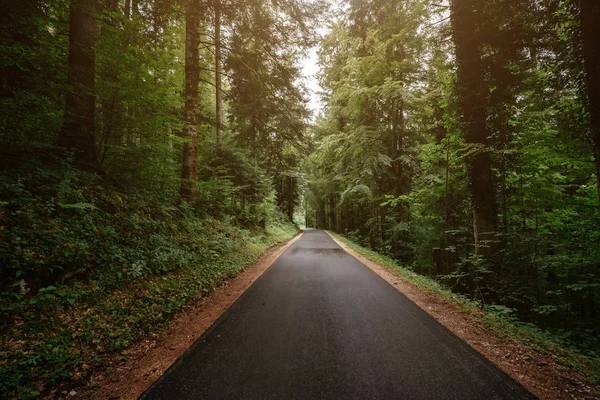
(388, 167)
(33, 59)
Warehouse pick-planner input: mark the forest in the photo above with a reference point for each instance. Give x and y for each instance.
(150, 149)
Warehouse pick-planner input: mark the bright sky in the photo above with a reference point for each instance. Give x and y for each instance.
(310, 68)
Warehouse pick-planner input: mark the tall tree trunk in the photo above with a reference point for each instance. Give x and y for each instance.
(189, 167)
(77, 133)
(472, 99)
(218, 98)
(590, 29)
(332, 216)
(135, 8)
(447, 188)
(290, 198)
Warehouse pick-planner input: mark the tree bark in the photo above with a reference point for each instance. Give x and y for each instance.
(135, 8)
(218, 78)
(472, 99)
(590, 30)
(77, 133)
(189, 167)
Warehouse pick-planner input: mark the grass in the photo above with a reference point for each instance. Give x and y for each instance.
(498, 323)
(56, 339)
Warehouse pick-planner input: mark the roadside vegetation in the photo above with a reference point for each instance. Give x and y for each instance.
(494, 317)
(57, 338)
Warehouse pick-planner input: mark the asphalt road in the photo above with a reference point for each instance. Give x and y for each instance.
(318, 324)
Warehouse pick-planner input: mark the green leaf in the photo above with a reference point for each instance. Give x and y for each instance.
(78, 206)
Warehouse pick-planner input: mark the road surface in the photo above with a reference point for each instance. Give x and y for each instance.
(318, 324)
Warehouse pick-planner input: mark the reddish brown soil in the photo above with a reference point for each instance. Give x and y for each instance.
(150, 358)
(539, 372)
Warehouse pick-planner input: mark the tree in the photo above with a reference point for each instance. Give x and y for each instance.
(78, 127)
(189, 167)
(590, 32)
(218, 77)
(472, 94)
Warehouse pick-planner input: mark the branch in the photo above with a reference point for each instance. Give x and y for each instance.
(437, 22)
(227, 94)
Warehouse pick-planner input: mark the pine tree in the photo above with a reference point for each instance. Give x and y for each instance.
(472, 93)
(218, 76)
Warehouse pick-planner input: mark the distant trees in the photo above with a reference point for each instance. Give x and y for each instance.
(371, 72)
(267, 113)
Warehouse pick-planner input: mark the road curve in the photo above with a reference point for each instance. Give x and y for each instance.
(318, 324)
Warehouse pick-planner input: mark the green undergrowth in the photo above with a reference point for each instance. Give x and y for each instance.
(56, 338)
(501, 324)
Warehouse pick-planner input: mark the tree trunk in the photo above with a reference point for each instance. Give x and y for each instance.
(447, 188)
(590, 30)
(77, 133)
(135, 8)
(291, 196)
(332, 216)
(472, 99)
(218, 98)
(189, 167)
